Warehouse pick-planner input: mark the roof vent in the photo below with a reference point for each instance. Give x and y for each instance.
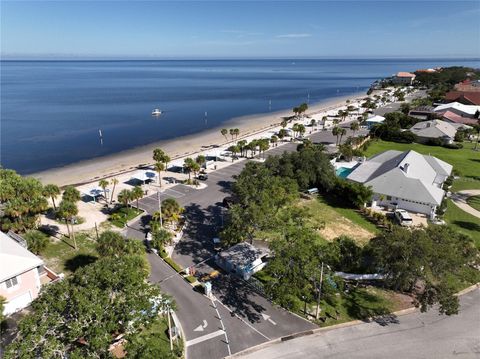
(405, 167)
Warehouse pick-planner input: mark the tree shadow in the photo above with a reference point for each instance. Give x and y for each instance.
(238, 296)
(468, 225)
(80, 260)
(364, 306)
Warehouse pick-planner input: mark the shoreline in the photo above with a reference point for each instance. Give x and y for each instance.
(115, 164)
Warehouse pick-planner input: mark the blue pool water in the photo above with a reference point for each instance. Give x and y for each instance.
(343, 172)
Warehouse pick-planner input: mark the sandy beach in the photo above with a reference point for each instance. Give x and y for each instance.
(125, 161)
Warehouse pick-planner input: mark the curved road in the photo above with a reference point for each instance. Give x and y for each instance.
(416, 335)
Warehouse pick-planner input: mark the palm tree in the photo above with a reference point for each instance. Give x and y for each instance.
(68, 210)
(136, 194)
(103, 183)
(342, 133)
(336, 132)
(52, 191)
(241, 146)
(114, 181)
(159, 167)
(188, 165)
(224, 133)
(354, 126)
(274, 140)
(234, 149)
(71, 194)
(313, 122)
(284, 123)
(124, 197)
(232, 132)
(263, 145)
(201, 160)
(301, 129)
(296, 111)
(171, 210)
(282, 133)
(236, 132)
(160, 156)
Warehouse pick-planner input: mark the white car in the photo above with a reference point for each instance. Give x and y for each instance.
(403, 217)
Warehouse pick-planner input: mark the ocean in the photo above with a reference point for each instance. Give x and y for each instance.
(52, 111)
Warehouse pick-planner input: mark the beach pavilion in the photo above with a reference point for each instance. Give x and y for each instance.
(93, 192)
(144, 176)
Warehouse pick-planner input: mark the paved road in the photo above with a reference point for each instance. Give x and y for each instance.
(460, 199)
(394, 106)
(417, 335)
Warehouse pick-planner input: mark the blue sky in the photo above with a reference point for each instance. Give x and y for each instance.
(243, 29)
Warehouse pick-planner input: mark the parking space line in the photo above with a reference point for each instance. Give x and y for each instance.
(203, 338)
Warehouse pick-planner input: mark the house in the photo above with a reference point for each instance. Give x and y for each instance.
(403, 78)
(436, 129)
(465, 97)
(406, 180)
(422, 112)
(460, 109)
(243, 260)
(468, 85)
(374, 120)
(21, 274)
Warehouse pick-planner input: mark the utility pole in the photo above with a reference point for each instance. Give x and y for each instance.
(160, 208)
(170, 329)
(317, 312)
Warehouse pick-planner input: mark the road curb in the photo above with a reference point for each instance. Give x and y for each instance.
(333, 327)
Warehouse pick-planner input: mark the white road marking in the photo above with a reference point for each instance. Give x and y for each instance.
(267, 318)
(201, 327)
(203, 338)
(223, 327)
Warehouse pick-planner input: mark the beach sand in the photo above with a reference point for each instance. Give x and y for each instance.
(112, 165)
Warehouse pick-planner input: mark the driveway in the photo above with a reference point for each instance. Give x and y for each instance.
(460, 200)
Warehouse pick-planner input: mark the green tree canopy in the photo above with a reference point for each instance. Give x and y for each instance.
(113, 244)
(37, 241)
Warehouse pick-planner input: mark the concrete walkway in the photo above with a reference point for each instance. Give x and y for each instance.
(460, 199)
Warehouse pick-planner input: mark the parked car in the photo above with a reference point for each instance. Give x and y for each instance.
(403, 217)
(216, 243)
(203, 176)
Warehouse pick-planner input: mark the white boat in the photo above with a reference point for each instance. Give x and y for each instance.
(156, 112)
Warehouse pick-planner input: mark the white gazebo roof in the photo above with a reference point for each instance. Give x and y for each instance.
(144, 175)
(94, 191)
(376, 119)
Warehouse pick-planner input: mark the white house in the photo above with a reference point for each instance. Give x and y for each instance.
(374, 120)
(458, 108)
(407, 180)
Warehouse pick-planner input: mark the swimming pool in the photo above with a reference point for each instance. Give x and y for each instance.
(343, 172)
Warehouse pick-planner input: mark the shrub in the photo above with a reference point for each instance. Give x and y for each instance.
(191, 279)
(453, 146)
(172, 264)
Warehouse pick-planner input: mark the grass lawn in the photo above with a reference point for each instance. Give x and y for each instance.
(122, 215)
(361, 304)
(339, 220)
(60, 255)
(463, 222)
(464, 160)
(463, 183)
(474, 202)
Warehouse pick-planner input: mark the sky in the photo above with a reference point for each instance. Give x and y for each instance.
(239, 29)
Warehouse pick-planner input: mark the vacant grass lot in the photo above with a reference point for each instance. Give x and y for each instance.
(463, 222)
(465, 161)
(474, 202)
(338, 220)
(60, 255)
(122, 215)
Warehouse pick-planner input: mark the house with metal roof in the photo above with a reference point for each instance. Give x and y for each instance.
(436, 130)
(406, 180)
(243, 260)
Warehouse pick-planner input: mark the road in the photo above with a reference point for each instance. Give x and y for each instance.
(416, 335)
(247, 318)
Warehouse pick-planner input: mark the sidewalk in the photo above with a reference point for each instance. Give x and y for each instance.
(460, 200)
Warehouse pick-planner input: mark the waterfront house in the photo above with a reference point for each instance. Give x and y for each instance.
(403, 78)
(243, 260)
(464, 97)
(436, 130)
(406, 180)
(21, 274)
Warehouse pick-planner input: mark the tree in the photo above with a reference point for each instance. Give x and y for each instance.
(113, 244)
(224, 133)
(296, 111)
(477, 129)
(22, 201)
(234, 149)
(189, 165)
(200, 160)
(427, 262)
(160, 238)
(36, 241)
(124, 197)
(232, 132)
(80, 316)
(52, 191)
(284, 123)
(303, 108)
(171, 210)
(114, 182)
(263, 145)
(136, 194)
(71, 194)
(236, 132)
(354, 126)
(336, 132)
(103, 183)
(313, 122)
(68, 211)
(241, 146)
(159, 167)
(282, 133)
(342, 132)
(274, 140)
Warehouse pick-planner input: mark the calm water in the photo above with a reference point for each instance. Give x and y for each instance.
(51, 111)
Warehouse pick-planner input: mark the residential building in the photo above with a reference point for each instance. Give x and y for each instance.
(422, 112)
(21, 274)
(374, 120)
(406, 180)
(468, 85)
(436, 129)
(243, 260)
(458, 113)
(464, 97)
(403, 78)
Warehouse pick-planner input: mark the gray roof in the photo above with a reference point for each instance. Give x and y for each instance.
(408, 175)
(242, 254)
(434, 129)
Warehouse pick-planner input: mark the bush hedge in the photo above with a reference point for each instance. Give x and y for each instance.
(172, 264)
